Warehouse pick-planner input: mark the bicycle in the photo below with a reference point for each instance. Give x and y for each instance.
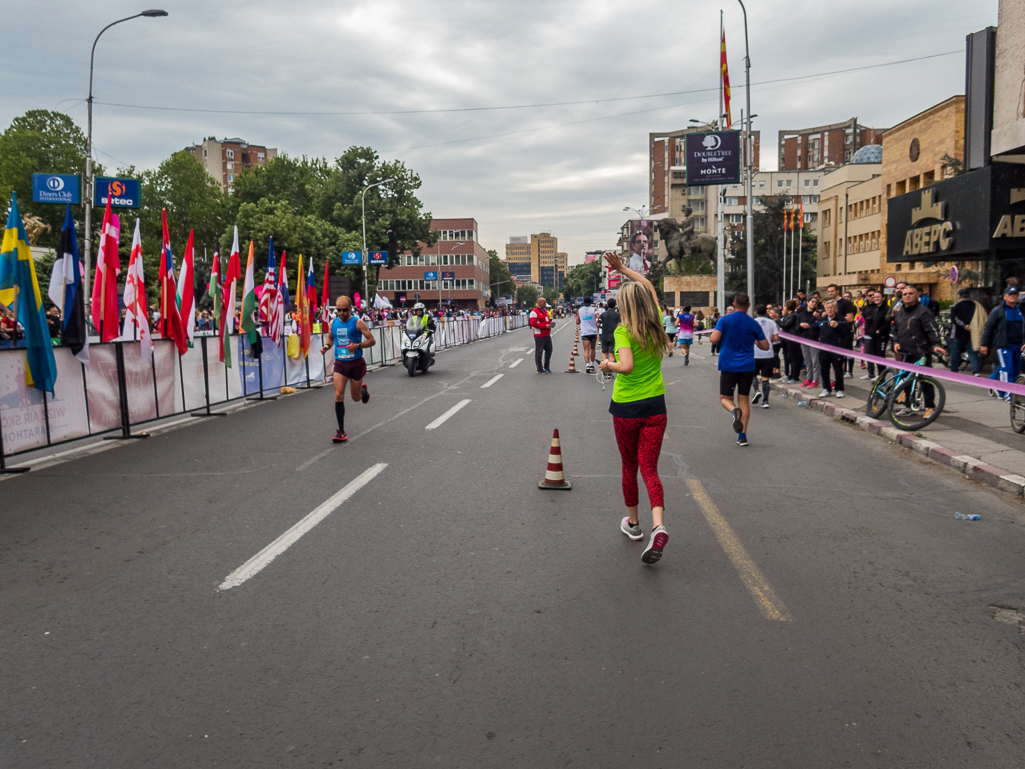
(879, 395)
(906, 404)
(1018, 406)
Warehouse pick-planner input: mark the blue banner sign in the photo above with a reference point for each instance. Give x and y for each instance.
(124, 193)
(379, 257)
(433, 275)
(352, 257)
(57, 188)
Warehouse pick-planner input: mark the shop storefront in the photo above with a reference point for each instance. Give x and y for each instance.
(974, 221)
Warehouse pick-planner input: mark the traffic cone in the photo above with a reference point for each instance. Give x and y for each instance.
(555, 478)
(572, 366)
(576, 349)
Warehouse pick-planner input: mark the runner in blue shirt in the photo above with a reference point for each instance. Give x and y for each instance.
(350, 365)
(737, 334)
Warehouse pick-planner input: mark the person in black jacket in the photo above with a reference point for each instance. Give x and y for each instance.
(877, 330)
(792, 355)
(834, 330)
(914, 329)
(808, 327)
(1005, 331)
(961, 315)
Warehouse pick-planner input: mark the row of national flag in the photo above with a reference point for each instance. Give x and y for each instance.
(19, 288)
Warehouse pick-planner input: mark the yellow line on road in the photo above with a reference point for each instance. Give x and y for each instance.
(768, 602)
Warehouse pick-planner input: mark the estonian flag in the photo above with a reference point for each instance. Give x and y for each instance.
(66, 292)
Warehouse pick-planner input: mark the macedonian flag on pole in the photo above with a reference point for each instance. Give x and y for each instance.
(725, 71)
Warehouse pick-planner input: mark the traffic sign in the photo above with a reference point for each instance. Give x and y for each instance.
(432, 275)
(379, 257)
(57, 188)
(123, 193)
(352, 257)
(890, 281)
(953, 275)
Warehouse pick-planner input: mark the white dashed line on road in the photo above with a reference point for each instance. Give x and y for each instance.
(516, 362)
(444, 417)
(491, 381)
(258, 562)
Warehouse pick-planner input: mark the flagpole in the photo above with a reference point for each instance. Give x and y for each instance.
(749, 152)
(720, 235)
(783, 290)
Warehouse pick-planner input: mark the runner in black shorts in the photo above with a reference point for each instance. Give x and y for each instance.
(350, 365)
(738, 334)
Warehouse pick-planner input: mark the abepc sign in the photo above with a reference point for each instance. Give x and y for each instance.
(713, 158)
(123, 193)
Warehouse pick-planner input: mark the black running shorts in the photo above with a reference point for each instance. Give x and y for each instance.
(590, 337)
(352, 369)
(764, 367)
(736, 380)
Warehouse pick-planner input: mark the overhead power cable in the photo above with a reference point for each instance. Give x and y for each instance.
(540, 105)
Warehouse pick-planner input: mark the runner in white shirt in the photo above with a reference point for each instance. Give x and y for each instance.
(764, 359)
(587, 319)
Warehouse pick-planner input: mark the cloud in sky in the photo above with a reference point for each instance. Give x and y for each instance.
(570, 169)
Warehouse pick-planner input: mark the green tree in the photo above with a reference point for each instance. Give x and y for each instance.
(768, 254)
(501, 279)
(41, 141)
(527, 296)
(551, 295)
(194, 203)
(582, 280)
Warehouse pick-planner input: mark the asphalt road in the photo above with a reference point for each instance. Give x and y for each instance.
(818, 604)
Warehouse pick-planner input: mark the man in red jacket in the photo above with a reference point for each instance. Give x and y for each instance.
(541, 322)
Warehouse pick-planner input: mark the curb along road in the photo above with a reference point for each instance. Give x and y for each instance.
(968, 466)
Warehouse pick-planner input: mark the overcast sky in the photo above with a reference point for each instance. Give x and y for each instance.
(568, 169)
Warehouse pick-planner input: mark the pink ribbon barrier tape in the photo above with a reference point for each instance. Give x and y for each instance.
(945, 375)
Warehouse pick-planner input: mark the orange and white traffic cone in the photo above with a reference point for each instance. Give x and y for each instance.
(572, 366)
(576, 349)
(555, 477)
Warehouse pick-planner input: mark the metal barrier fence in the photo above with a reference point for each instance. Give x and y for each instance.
(120, 390)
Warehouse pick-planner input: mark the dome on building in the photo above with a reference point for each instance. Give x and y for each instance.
(871, 153)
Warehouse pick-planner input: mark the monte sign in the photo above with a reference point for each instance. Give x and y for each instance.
(713, 158)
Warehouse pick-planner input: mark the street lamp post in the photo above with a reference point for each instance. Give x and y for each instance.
(749, 159)
(364, 259)
(89, 151)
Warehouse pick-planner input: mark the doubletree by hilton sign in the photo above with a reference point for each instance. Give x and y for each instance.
(980, 213)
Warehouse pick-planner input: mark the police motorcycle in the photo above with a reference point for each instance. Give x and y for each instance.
(417, 343)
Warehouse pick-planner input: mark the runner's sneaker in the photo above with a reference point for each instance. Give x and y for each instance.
(756, 397)
(742, 439)
(686, 359)
(765, 405)
(340, 437)
(653, 552)
(364, 394)
(738, 421)
(632, 530)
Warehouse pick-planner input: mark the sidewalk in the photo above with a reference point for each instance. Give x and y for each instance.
(972, 435)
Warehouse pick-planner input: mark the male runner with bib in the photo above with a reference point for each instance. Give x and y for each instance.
(350, 365)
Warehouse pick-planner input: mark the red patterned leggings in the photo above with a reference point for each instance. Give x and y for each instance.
(640, 443)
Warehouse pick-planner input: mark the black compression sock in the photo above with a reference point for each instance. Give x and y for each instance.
(340, 415)
(765, 390)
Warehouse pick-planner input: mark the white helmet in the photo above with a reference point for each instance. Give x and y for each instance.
(419, 306)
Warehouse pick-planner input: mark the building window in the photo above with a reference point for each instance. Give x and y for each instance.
(230, 154)
(779, 183)
(260, 156)
(814, 182)
(231, 178)
(231, 165)
(807, 182)
(204, 153)
(761, 184)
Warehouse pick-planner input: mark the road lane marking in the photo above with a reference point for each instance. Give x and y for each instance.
(516, 363)
(491, 381)
(261, 560)
(768, 602)
(444, 417)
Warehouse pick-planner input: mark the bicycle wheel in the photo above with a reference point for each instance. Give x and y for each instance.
(878, 397)
(1018, 408)
(907, 404)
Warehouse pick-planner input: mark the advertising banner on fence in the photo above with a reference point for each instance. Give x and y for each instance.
(273, 367)
(21, 407)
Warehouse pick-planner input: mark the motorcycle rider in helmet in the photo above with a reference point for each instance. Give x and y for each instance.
(425, 319)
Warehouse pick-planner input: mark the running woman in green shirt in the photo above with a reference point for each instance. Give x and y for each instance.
(638, 405)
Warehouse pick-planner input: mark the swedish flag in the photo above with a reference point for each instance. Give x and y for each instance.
(19, 288)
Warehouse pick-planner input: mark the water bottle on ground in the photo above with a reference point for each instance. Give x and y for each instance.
(967, 516)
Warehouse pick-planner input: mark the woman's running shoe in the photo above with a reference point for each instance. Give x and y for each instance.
(632, 530)
(653, 552)
(340, 437)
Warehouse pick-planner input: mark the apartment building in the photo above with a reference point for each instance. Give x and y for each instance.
(807, 148)
(226, 159)
(850, 244)
(461, 263)
(536, 259)
(804, 187)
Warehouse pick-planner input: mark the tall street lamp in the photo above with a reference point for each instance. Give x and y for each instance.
(366, 289)
(89, 151)
(749, 153)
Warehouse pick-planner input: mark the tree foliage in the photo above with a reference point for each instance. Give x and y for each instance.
(768, 254)
(582, 280)
(501, 279)
(527, 296)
